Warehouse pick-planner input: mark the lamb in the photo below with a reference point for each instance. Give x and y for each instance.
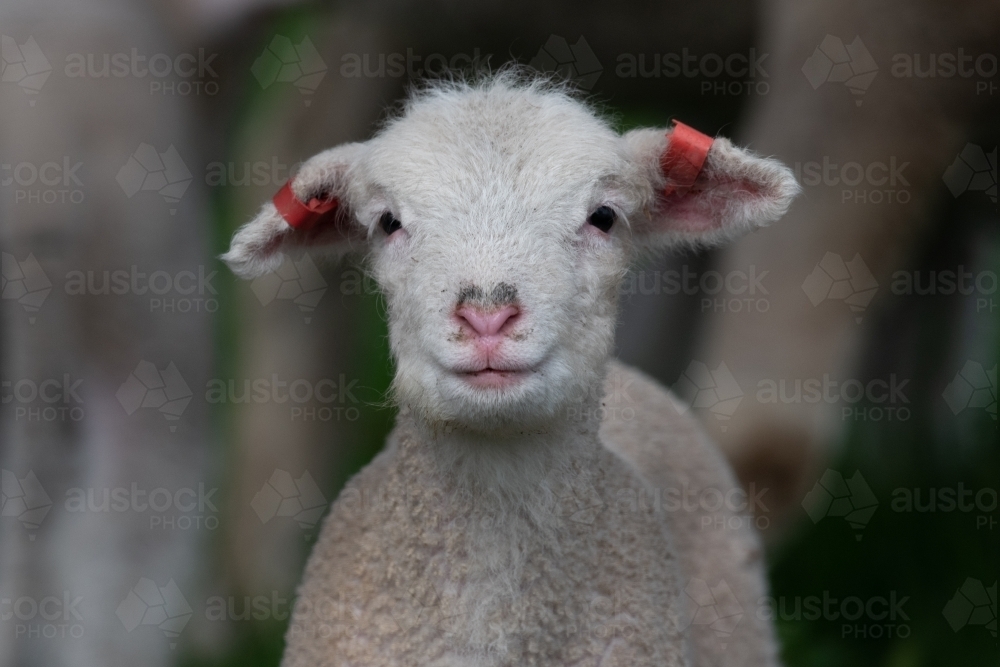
(520, 513)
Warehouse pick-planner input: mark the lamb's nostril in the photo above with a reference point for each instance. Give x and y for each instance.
(487, 323)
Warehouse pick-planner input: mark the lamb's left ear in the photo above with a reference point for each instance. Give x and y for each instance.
(309, 211)
(705, 191)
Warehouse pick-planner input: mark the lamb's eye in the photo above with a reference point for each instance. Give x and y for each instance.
(389, 223)
(602, 218)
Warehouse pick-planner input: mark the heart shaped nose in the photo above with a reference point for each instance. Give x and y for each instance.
(486, 323)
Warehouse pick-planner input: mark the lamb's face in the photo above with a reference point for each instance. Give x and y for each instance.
(499, 220)
(499, 234)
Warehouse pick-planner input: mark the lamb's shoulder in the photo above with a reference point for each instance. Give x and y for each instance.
(709, 516)
(344, 588)
(652, 430)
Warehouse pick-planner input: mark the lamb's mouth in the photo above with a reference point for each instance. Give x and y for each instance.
(494, 378)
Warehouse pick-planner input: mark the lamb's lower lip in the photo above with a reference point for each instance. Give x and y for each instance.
(493, 377)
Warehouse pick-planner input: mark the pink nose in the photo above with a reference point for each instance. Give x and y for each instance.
(487, 323)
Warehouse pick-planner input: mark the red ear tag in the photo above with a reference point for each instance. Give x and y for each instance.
(298, 214)
(681, 163)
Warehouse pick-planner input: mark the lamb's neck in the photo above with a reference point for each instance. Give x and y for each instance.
(524, 467)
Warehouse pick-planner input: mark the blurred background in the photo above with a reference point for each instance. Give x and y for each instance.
(171, 436)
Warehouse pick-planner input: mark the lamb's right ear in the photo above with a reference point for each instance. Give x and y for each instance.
(704, 189)
(310, 211)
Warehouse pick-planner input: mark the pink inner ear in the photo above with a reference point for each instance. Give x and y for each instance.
(689, 195)
(704, 206)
